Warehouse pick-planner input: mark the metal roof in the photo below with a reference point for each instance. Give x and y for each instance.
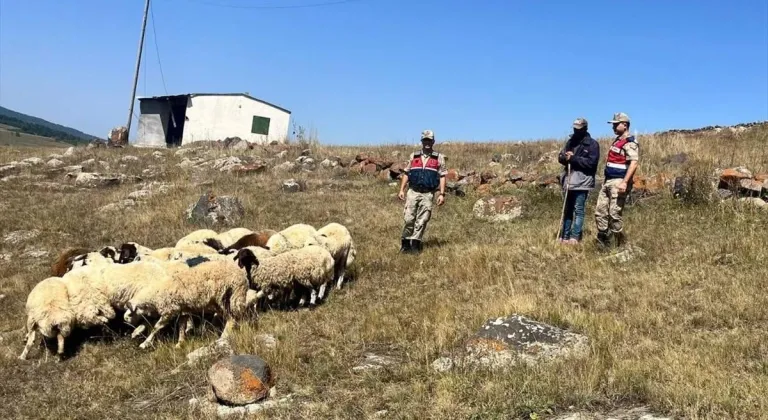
(160, 97)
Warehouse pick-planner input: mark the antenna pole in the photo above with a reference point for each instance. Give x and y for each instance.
(138, 65)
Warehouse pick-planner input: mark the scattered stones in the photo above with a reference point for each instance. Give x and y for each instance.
(292, 186)
(216, 210)
(118, 137)
(634, 413)
(70, 151)
(374, 362)
(282, 155)
(240, 379)
(19, 236)
(129, 159)
(54, 163)
(498, 208)
(505, 342)
(119, 206)
(286, 167)
(267, 340)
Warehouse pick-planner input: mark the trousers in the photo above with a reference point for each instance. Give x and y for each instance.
(573, 220)
(418, 211)
(609, 208)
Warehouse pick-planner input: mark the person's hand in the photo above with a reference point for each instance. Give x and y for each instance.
(568, 155)
(440, 199)
(401, 195)
(622, 187)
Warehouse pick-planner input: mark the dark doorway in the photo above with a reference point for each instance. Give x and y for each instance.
(176, 118)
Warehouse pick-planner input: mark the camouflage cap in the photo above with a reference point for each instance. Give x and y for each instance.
(619, 117)
(579, 123)
(427, 134)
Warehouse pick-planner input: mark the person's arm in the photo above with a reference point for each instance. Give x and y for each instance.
(589, 162)
(443, 171)
(633, 156)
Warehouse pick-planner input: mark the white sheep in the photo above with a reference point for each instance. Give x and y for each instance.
(49, 313)
(218, 284)
(229, 237)
(77, 257)
(130, 251)
(196, 238)
(309, 267)
(338, 241)
(292, 237)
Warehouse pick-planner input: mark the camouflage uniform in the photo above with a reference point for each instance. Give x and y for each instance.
(419, 199)
(610, 203)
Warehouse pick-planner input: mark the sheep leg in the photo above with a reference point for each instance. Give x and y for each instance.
(229, 325)
(30, 342)
(60, 346)
(313, 297)
(321, 295)
(189, 325)
(340, 281)
(139, 330)
(161, 323)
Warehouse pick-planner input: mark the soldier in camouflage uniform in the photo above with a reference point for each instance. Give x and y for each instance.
(424, 175)
(622, 161)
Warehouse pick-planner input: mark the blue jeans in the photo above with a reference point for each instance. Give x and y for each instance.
(574, 215)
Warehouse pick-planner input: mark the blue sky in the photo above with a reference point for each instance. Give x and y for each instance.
(380, 71)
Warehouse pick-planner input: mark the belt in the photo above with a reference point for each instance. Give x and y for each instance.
(422, 191)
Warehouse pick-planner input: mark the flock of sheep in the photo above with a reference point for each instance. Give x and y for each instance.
(229, 274)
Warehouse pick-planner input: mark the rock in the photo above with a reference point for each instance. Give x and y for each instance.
(396, 170)
(374, 362)
(216, 210)
(645, 186)
(494, 165)
(361, 157)
(504, 342)
(370, 169)
(292, 186)
(54, 163)
(137, 195)
(484, 189)
(633, 413)
(56, 156)
(549, 180)
(452, 175)
(473, 180)
(267, 340)
(730, 178)
(286, 167)
(158, 155)
(751, 187)
(282, 155)
(88, 162)
(240, 379)
(7, 168)
(35, 253)
(19, 236)
(118, 137)
(498, 209)
(121, 205)
(184, 151)
(236, 143)
(33, 161)
(75, 169)
(227, 164)
(91, 180)
(185, 163)
(487, 176)
(754, 202)
(455, 188)
(70, 151)
(442, 364)
(515, 175)
(327, 163)
(274, 143)
(253, 168)
(384, 175)
(129, 158)
(724, 194)
(306, 152)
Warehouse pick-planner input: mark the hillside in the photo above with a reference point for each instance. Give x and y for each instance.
(40, 127)
(676, 322)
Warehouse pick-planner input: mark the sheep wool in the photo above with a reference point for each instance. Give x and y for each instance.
(309, 267)
(338, 241)
(197, 237)
(217, 284)
(229, 237)
(48, 313)
(292, 237)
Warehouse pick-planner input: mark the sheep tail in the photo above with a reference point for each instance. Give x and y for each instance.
(64, 260)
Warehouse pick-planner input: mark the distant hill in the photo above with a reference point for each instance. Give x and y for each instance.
(39, 127)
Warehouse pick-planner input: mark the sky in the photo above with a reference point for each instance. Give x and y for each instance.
(381, 71)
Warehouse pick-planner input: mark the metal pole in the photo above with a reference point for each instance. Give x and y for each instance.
(138, 65)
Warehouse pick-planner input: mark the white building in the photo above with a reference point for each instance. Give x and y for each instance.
(175, 120)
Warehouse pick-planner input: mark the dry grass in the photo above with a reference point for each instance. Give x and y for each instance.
(681, 329)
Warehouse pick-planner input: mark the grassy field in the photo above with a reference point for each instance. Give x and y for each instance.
(682, 329)
(11, 138)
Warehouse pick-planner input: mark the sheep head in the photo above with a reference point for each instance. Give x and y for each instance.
(128, 253)
(247, 259)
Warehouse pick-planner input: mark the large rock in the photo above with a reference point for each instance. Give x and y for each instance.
(498, 208)
(216, 210)
(751, 187)
(92, 180)
(118, 137)
(240, 379)
(54, 163)
(228, 164)
(293, 185)
(730, 178)
(505, 342)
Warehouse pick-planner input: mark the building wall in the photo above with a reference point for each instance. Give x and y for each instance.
(219, 117)
(153, 122)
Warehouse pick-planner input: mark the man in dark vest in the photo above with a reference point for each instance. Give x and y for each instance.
(425, 176)
(620, 167)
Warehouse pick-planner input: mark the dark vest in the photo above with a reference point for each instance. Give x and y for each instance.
(427, 178)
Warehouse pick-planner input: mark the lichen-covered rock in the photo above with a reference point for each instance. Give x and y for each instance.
(240, 379)
(211, 209)
(293, 186)
(498, 209)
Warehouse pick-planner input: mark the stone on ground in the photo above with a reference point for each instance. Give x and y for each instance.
(118, 137)
(498, 208)
(292, 186)
(216, 210)
(240, 379)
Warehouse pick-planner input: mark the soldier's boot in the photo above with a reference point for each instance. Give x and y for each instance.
(405, 246)
(416, 246)
(603, 239)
